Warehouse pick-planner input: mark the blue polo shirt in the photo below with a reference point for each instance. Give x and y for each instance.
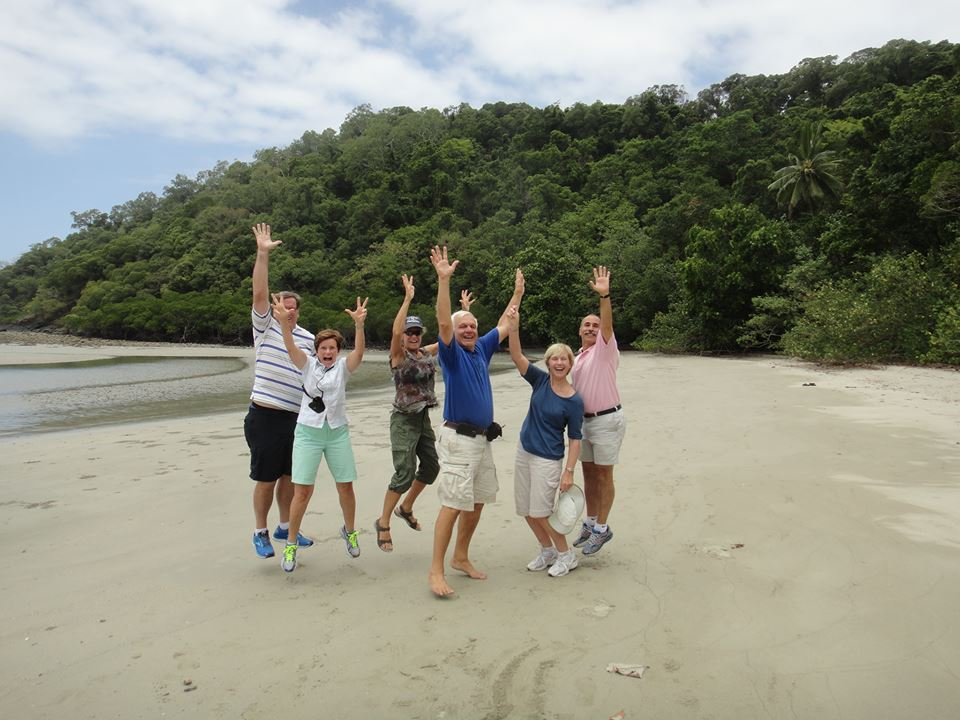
(468, 396)
(549, 414)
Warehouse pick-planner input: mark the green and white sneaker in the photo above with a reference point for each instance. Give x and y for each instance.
(350, 539)
(289, 562)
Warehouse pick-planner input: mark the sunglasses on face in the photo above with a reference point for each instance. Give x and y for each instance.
(413, 331)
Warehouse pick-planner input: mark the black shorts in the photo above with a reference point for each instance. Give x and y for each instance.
(269, 436)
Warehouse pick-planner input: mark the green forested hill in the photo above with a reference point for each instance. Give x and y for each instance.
(816, 212)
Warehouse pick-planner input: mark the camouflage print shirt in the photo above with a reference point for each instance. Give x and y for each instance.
(414, 379)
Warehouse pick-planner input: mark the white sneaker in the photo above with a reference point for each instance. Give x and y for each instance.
(565, 563)
(546, 558)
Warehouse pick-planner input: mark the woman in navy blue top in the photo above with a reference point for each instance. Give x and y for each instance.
(540, 470)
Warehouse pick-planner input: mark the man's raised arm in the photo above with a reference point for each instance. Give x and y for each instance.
(261, 268)
(444, 268)
(601, 286)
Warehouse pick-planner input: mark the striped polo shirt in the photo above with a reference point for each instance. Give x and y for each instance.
(276, 380)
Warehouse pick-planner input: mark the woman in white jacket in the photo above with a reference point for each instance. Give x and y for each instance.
(322, 426)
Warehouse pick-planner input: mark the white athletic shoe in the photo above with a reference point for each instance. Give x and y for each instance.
(565, 563)
(546, 558)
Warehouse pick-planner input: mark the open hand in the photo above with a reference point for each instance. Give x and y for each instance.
(261, 231)
(601, 280)
(360, 313)
(466, 299)
(441, 263)
(281, 312)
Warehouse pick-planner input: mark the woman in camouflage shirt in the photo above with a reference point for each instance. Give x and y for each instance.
(411, 434)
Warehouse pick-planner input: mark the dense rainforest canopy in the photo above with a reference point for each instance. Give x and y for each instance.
(815, 212)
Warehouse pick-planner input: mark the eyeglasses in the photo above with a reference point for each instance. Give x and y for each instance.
(413, 331)
(316, 404)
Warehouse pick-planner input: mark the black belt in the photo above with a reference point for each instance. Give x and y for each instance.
(465, 428)
(257, 406)
(602, 412)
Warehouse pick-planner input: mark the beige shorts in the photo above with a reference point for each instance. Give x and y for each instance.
(602, 438)
(467, 474)
(535, 483)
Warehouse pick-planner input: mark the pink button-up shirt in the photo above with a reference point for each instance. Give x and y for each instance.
(594, 375)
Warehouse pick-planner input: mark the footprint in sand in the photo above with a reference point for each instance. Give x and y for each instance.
(598, 610)
(719, 552)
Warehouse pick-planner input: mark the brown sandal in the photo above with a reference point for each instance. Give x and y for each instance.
(382, 543)
(407, 517)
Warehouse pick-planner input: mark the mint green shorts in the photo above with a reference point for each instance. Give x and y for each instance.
(311, 444)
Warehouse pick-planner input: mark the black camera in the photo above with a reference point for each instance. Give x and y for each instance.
(317, 404)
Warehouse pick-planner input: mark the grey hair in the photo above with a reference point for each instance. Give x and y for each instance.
(284, 294)
(455, 318)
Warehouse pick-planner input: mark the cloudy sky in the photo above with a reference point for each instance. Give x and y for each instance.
(105, 99)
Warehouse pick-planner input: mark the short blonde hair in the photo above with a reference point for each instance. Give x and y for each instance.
(559, 349)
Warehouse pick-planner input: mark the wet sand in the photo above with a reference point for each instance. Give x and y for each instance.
(782, 549)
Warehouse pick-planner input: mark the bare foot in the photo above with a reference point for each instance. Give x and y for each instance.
(465, 566)
(439, 586)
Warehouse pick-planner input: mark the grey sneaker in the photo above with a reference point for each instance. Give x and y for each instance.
(597, 540)
(584, 535)
(565, 563)
(546, 558)
(289, 562)
(350, 539)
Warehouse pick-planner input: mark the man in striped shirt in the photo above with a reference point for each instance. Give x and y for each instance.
(274, 402)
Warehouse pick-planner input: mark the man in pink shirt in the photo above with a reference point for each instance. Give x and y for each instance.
(595, 379)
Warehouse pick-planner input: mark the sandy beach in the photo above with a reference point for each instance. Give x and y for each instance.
(787, 539)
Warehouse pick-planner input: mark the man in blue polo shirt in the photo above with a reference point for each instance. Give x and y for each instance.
(468, 478)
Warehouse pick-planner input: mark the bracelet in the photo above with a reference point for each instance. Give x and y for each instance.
(604, 297)
(570, 470)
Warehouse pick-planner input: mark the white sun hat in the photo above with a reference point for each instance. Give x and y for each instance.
(568, 511)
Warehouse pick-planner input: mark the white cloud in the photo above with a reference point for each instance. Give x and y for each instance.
(261, 71)
(571, 50)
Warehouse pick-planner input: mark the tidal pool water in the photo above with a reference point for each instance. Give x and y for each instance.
(72, 395)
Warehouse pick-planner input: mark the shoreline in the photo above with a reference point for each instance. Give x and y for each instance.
(38, 348)
(19, 336)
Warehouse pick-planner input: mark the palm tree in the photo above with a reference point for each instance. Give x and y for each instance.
(811, 175)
